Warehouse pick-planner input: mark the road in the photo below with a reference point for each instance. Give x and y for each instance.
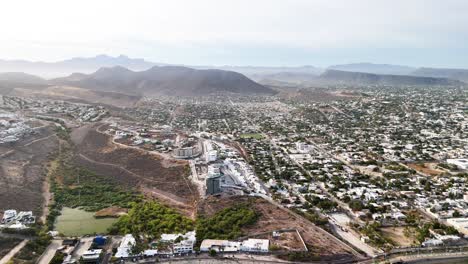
(195, 179)
(354, 240)
(434, 258)
(49, 253)
(13, 252)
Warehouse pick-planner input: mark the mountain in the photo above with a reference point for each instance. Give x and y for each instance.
(67, 67)
(374, 68)
(456, 74)
(21, 78)
(262, 70)
(336, 76)
(165, 80)
(287, 77)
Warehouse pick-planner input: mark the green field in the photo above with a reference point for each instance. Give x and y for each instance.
(252, 135)
(77, 222)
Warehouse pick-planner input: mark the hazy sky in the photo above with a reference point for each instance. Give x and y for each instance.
(240, 32)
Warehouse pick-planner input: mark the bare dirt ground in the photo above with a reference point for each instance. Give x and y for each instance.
(154, 175)
(427, 168)
(113, 211)
(396, 234)
(22, 171)
(275, 218)
(289, 241)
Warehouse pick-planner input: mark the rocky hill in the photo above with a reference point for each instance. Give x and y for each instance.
(165, 80)
(382, 79)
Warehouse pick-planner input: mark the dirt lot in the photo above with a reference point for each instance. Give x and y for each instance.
(274, 218)
(396, 234)
(22, 171)
(289, 241)
(166, 180)
(427, 168)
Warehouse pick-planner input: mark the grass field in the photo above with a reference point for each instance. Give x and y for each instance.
(77, 222)
(252, 135)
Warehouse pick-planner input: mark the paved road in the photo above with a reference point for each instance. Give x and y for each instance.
(354, 240)
(13, 252)
(49, 253)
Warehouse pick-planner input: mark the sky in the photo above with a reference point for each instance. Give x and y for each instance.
(431, 33)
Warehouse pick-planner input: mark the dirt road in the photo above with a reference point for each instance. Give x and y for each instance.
(13, 252)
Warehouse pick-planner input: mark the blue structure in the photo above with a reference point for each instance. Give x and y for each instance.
(100, 240)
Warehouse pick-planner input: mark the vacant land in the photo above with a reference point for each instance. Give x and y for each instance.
(22, 172)
(252, 135)
(426, 168)
(80, 95)
(397, 235)
(153, 175)
(272, 217)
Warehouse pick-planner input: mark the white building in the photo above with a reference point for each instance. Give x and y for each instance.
(432, 243)
(8, 216)
(185, 245)
(461, 224)
(461, 164)
(255, 245)
(92, 255)
(219, 245)
(211, 155)
(125, 248)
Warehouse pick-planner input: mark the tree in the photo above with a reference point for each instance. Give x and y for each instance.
(356, 205)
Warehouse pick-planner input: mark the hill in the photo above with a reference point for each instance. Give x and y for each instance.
(21, 78)
(166, 80)
(374, 68)
(382, 79)
(456, 74)
(67, 67)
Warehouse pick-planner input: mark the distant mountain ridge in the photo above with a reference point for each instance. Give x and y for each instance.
(289, 74)
(66, 67)
(374, 68)
(21, 77)
(456, 74)
(165, 80)
(382, 79)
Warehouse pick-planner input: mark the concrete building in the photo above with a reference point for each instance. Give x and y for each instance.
(461, 164)
(219, 245)
(461, 224)
(213, 184)
(185, 153)
(255, 245)
(185, 245)
(211, 156)
(92, 256)
(125, 248)
(9, 216)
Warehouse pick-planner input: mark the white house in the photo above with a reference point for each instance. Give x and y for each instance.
(125, 248)
(255, 245)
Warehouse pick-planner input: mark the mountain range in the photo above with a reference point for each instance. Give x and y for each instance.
(150, 77)
(66, 67)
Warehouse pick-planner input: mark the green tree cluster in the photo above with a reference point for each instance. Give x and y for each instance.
(151, 219)
(227, 223)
